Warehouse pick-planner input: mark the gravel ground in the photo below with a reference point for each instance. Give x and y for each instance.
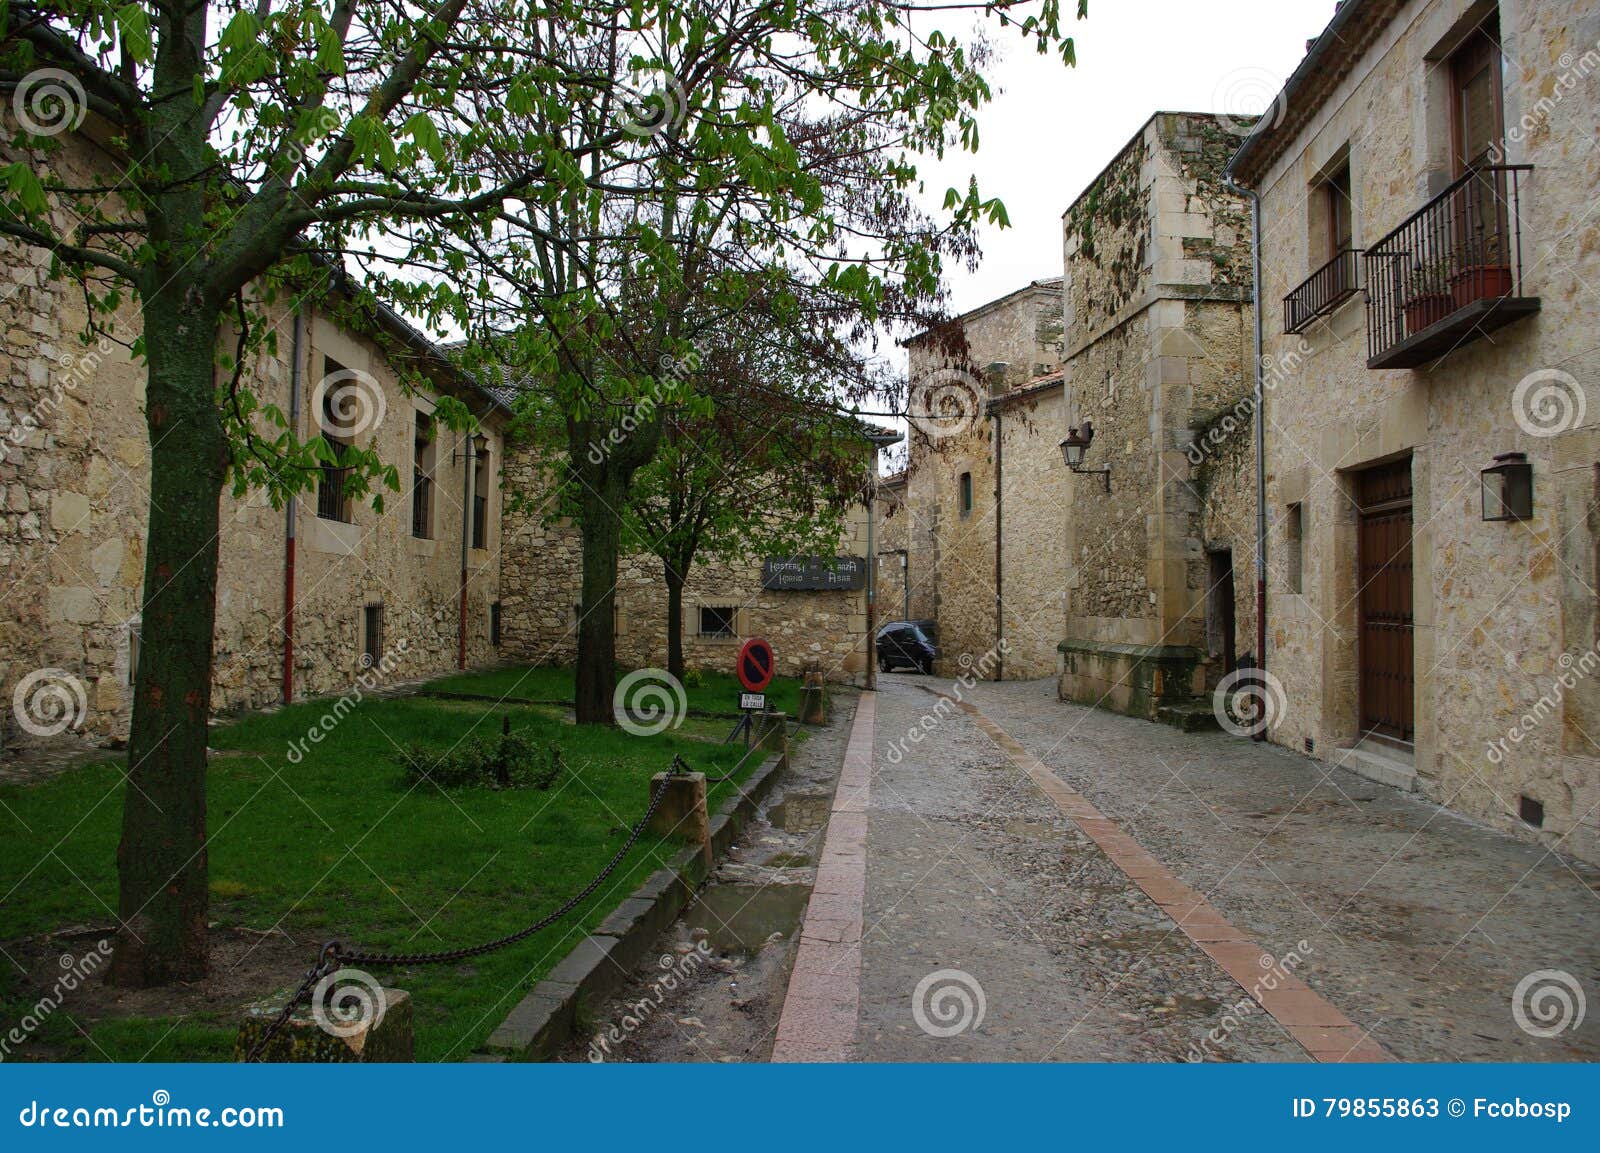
(1420, 924)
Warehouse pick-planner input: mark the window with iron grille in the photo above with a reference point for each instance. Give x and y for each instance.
(373, 651)
(333, 502)
(480, 497)
(422, 479)
(718, 620)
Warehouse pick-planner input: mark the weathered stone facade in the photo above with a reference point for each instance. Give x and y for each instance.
(74, 463)
(1157, 332)
(1505, 705)
(950, 476)
(541, 578)
(894, 550)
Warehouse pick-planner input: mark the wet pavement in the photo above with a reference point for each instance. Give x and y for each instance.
(1416, 924)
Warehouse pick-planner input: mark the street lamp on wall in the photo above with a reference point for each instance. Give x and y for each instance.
(1073, 448)
(1508, 488)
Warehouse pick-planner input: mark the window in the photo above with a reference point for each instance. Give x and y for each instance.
(1477, 117)
(718, 620)
(494, 624)
(133, 651)
(966, 493)
(1336, 201)
(372, 651)
(333, 502)
(480, 494)
(422, 479)
(1293, 533)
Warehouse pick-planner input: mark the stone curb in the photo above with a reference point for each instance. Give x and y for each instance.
(542, 1023)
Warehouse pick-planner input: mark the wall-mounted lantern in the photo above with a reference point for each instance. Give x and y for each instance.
(480, 445)
(1073, 448)
(1508, 488)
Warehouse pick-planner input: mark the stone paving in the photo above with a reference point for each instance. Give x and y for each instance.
(1413, 926)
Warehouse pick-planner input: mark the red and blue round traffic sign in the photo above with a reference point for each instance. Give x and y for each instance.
(755, 664)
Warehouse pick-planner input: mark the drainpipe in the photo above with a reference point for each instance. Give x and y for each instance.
(296, 341)
(470, 454)
(1259, 397)
(872, 574)
(999, 569)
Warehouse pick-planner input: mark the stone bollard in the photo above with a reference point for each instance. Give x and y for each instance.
(379, 1030)
(813, 705)
(682, 811)
(772, 734)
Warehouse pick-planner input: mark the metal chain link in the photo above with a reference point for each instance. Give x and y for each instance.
(334, 956)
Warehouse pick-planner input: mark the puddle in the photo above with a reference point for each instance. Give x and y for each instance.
(740, 918)
(801, 812)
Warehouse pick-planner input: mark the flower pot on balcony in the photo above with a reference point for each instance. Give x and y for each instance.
(1480, 282)
(1428, 308)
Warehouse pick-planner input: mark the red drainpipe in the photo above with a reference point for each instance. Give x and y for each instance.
(466, 546)
(289, 518)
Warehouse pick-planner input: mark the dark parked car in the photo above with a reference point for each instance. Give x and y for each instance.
(907, 644)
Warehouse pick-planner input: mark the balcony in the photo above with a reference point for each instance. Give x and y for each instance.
(1321, 292)
(1451, 273)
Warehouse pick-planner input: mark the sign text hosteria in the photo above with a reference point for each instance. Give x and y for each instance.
(814, 572)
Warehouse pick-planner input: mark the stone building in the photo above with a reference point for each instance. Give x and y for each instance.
(417, 584)
(1123, 588)
(725, 602)
(954, 519)
(1427, 182)
(893, 550)
(1157, 351)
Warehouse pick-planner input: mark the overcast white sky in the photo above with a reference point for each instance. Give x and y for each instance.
(1052, 128)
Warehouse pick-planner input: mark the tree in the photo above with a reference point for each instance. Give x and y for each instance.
(787, 134)
(242, 142)
(768, 467)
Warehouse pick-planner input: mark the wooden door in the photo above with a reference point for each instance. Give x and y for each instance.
(1384, 616)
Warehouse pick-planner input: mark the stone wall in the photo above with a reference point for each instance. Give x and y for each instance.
(74, 466)
(541, 578)
(1032, 423)
(952, 551)
(1157, 323)
(1505, 617)
(894, 549)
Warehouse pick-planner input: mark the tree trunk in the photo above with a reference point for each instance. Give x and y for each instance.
(674, 620)
(162, 856)
(597, 623)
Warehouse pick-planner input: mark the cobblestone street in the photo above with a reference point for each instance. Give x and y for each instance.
(1411, 926)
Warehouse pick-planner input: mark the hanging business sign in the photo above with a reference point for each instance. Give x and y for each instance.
(807, 573)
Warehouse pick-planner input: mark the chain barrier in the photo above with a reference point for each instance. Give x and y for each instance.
(333, 956)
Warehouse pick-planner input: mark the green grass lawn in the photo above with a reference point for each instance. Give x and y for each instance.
(337, 845)
(706, 691)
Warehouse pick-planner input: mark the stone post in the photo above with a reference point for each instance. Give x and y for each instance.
(772, 734)
(682, 811)
(373, 1026)
(813, 705)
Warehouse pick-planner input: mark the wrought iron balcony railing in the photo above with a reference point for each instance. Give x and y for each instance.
(1322, 292)
(1450, 273)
